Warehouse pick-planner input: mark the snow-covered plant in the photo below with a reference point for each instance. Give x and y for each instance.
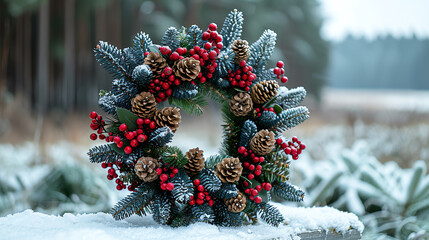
(389, 199)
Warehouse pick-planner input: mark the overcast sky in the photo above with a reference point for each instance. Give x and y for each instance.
(371, 18)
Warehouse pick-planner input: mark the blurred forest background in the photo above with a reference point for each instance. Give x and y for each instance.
(368, 98)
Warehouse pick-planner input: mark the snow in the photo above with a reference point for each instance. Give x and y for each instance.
(34, 225)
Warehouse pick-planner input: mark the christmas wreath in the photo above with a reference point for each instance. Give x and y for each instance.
(154, 82)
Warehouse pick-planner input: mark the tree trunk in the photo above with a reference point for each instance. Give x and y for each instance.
(43, 59)
(69, 80)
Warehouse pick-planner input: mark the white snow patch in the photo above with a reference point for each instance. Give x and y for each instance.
(34, 225)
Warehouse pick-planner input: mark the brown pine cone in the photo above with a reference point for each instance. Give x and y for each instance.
(195, 161)
(168, 116)
(263, 142)
(263, 91)
(146, 169)
(144, 105)
(187, 69)
(237, 203)
(229, 170)
(156, 63)
(241, 104)
(241, 50)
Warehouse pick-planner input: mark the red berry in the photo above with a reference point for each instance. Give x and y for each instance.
(93, 136)
(258, 199)
(279, 141)
(207, 45)
(211, 202)
(258, 172)
(242, 63)
(158, 171)
(284, 79)
(196, 182)
(104, 165)
(212, 26)
(200, 201)
(200, 188)
(201, 195)
(295, 157)
(120, 144)
(276, 71)
(116, 139)
(212, 54)
(252, 167)
(164, 186)
(284, 145)
(119, 187)
(163, 177)
(174, 56)
(134, 143)
(245, 183)
(251, 176)
(94, 126)
(128, 150)
(93, 115)
(192, 202)
(294, 139)
(141, 138)
(241, 150)
(302, 146)
(152, 125)
(219, 45)
(280, 64)
(258, 188)
(213, 35)
(254, 192)
(123, 127)
(259, 167)
(268, 186)
(287, 150)
(206, 36)
(170, 186)
(181, 51)
(247, 191)
(140, 121)
(175, 170)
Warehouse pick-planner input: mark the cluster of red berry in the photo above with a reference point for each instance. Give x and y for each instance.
(253, 192)
(201, 195)
(250, 160)
(293, 148)
(258, 111)
(97, 124)
(164, 175)
(111, 173)
(242, 77)
(213, 38)
(161, 87)
(207, 62)
(280, 71)
(133, 137)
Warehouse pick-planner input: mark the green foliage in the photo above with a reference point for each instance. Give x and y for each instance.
(225, 62)
(103, 153)
(173, 157)
(107, 102)
(231, 130)
(183, 187)
(288, 192)
(127, 117)
(161, 136)
(195, 35)
(209, 180)
(275, 168)
(232, 28)
(261, 50)
(136, 202)
(185, 90)
(110, 58)
(162, 205)
(268, 120)
(248, 130)
(124, 91)
(171, 39)
(291, 117)
(180, 221)
(213, 160)
(290, 98)
(192, 105)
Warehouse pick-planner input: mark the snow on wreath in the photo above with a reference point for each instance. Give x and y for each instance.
(228, 189)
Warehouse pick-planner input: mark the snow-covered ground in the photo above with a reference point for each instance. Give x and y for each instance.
(34, 225)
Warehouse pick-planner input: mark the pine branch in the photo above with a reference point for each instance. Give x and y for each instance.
(230, 131)
(173, 157)
(225, 62)
(181, 221)
(202, 213)
(288, 192)
(111, 59)
(248, 131)
(185, 90)
(226, 191)
(107, 102)
(232, 28)
(183, 187)
(195, 34)
(162, 205)
(269, 214)
(142, 76)
(142, 42)
(291, 117)
(161, 137)
(103, 153)
(267, 120)
(261, 50)
(275, 167)
(225, 218)
(213, 160)
(171, 38)
(131, 58)
(192, 105)
(209, 180)
(290, 98)
(137, 201)
(265, 75)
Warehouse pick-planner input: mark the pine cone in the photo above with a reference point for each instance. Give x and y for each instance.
(169, 117)
(237, 203)
(195, 161)
(241, 104)
(146, 169)
(229, 170)
(144, 105)
(156, 63)
(241, 50)
(263, 142)
(187, 69)
(263, 91)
